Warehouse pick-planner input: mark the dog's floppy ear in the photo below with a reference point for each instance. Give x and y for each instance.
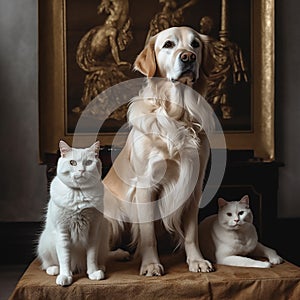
(146, 62)
(205, 65)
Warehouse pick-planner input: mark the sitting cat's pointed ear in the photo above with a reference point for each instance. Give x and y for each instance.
(245, 200)
(222, 202)
(96, 148)
(64, 148)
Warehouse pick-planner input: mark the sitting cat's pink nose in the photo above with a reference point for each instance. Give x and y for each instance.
(79, 174)
(236, 220)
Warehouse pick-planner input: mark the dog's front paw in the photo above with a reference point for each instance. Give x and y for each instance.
(97, 275)
(64, 280)
(200, 265)
(152, 270)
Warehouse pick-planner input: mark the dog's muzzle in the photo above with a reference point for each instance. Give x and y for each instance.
(188, 66)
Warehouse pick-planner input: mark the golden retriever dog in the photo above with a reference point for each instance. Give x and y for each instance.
(159, 173)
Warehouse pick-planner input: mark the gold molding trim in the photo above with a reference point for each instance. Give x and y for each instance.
(262, 139)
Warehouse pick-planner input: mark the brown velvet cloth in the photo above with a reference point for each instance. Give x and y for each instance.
(123, 282)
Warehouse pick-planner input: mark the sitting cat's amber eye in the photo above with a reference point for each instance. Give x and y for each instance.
(241, 212)
(229, 214)
(73, 162)
(88, 162)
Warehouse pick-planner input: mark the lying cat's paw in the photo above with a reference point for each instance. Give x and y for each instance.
(275, 260)
(64, 280)
(52, 270)
(263, 264)
(97, 275)
(200, 265)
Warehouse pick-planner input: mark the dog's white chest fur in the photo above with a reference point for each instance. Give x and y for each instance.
(164, 120)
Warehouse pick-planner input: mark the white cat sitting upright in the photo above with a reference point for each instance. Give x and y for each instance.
(230, 236)
(75, 237)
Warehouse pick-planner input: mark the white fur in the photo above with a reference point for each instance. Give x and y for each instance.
(163, 150)
(230, 236)
(75, 237)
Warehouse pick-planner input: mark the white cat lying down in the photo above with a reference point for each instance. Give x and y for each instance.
(229, 236)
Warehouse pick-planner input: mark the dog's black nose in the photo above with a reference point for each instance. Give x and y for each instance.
(187, 57)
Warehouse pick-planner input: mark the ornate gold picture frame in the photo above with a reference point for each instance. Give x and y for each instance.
(66, 82)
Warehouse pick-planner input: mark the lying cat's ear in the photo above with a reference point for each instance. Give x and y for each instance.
(222, 202)
(64, 148)
(245, 200)
(96, 148)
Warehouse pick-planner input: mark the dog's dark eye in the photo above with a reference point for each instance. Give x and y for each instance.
(168, 44)
(195, 44)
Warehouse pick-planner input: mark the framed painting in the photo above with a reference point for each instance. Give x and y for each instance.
(87, 47)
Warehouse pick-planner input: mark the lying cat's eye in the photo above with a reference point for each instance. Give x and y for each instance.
(195, 44)
(240, 213)
(88, 162)
(229, 214)
(73, 162)
(168, 44)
